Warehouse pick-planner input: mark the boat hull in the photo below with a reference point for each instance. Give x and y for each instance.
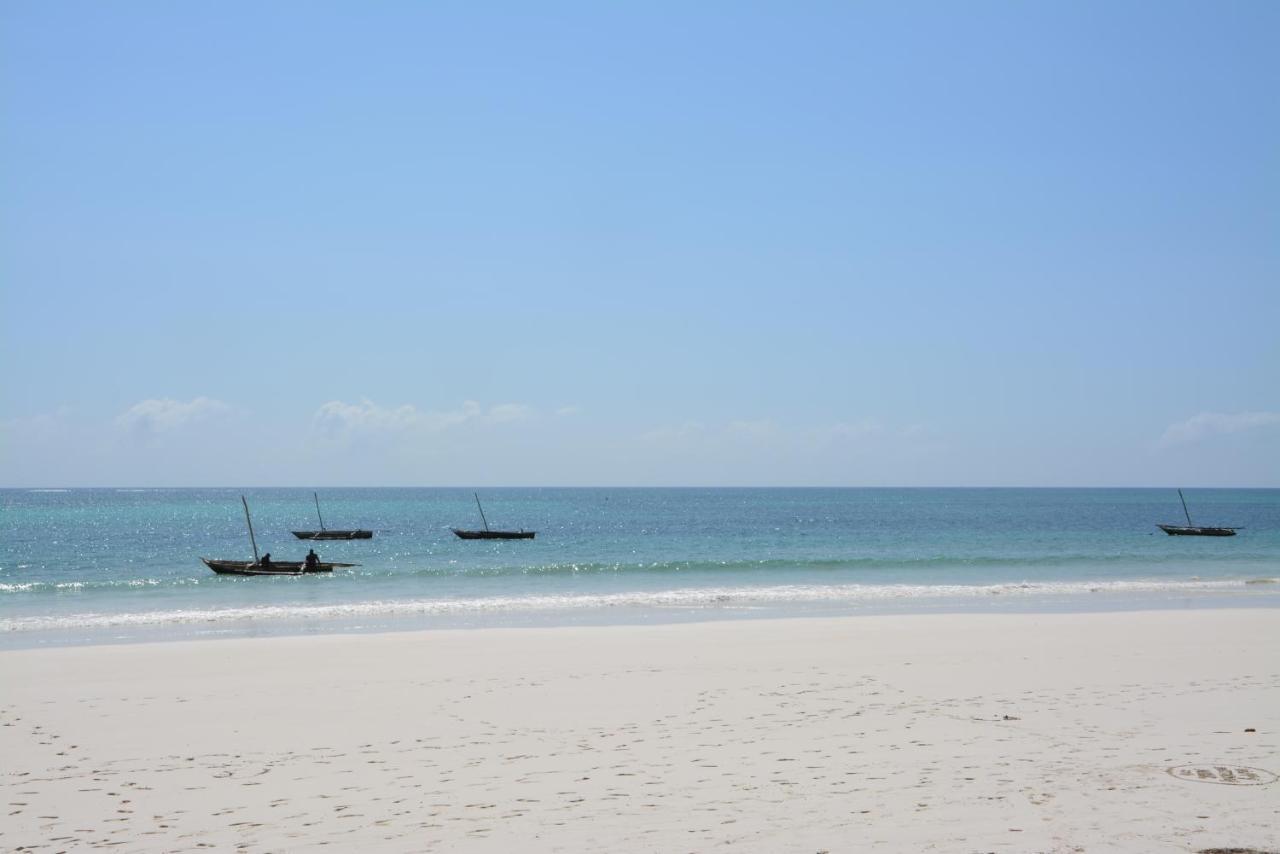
(1196, 531)
(284, 567)
(493, 535)
(333, 535)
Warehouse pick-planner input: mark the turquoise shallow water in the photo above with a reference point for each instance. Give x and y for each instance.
(104, 564)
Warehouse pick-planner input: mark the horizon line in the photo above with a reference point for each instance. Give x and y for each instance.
(625, 486)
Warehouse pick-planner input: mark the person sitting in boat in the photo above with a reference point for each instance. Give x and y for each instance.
(312, 560)
(266, 560)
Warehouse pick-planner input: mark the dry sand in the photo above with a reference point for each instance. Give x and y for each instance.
(898, 733)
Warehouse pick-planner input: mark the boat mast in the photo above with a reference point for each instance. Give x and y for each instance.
(481, 509)
(1184, 509)
(317, 498)
(252, 541)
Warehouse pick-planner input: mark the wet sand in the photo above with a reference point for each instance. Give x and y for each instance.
(1062, 732)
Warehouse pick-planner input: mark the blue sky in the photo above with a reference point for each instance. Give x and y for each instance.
(640, 243)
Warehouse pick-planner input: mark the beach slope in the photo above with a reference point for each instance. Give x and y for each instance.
(1145, 731)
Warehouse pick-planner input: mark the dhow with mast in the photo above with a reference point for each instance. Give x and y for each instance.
(1190, 530)
(326, 534)
(258, 566)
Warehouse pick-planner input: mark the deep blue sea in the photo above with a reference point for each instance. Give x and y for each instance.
(105, 565)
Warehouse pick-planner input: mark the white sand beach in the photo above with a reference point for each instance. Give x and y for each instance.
(980, 732)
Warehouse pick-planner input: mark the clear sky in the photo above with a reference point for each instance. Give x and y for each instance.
(309, 243)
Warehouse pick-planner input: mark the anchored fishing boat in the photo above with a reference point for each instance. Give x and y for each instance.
(493, 535)
(326, 534)
(488, 533)
(1190, 530)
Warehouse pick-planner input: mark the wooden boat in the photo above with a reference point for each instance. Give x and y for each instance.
(488, 533)
(257, 567)
(326, 534)
(493, 535)
(1196, 531)
(1190, 530)
(333, 535)
(283, 567)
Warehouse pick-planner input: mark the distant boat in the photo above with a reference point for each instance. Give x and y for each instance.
(325, 534)
(271, 567)
(489, 534)
(494, 535)
(1190, 530)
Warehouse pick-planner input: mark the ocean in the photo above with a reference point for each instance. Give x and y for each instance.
(119, 565)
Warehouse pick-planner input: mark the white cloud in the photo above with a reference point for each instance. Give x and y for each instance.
(1207, 424)
(161, 415)
(39, 424)
(756, 431)
(567, 411)
(337, 419)
(504, 412)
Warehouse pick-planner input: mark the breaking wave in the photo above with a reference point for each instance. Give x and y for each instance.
(706, 598)
(404, 570)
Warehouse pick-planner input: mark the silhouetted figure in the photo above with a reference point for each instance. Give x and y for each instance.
(266, 560)
(312, 561)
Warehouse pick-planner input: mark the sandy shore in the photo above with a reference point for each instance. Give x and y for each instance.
(949, 733)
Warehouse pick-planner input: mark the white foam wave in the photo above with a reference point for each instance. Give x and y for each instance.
(689, 598)
(27, 586)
